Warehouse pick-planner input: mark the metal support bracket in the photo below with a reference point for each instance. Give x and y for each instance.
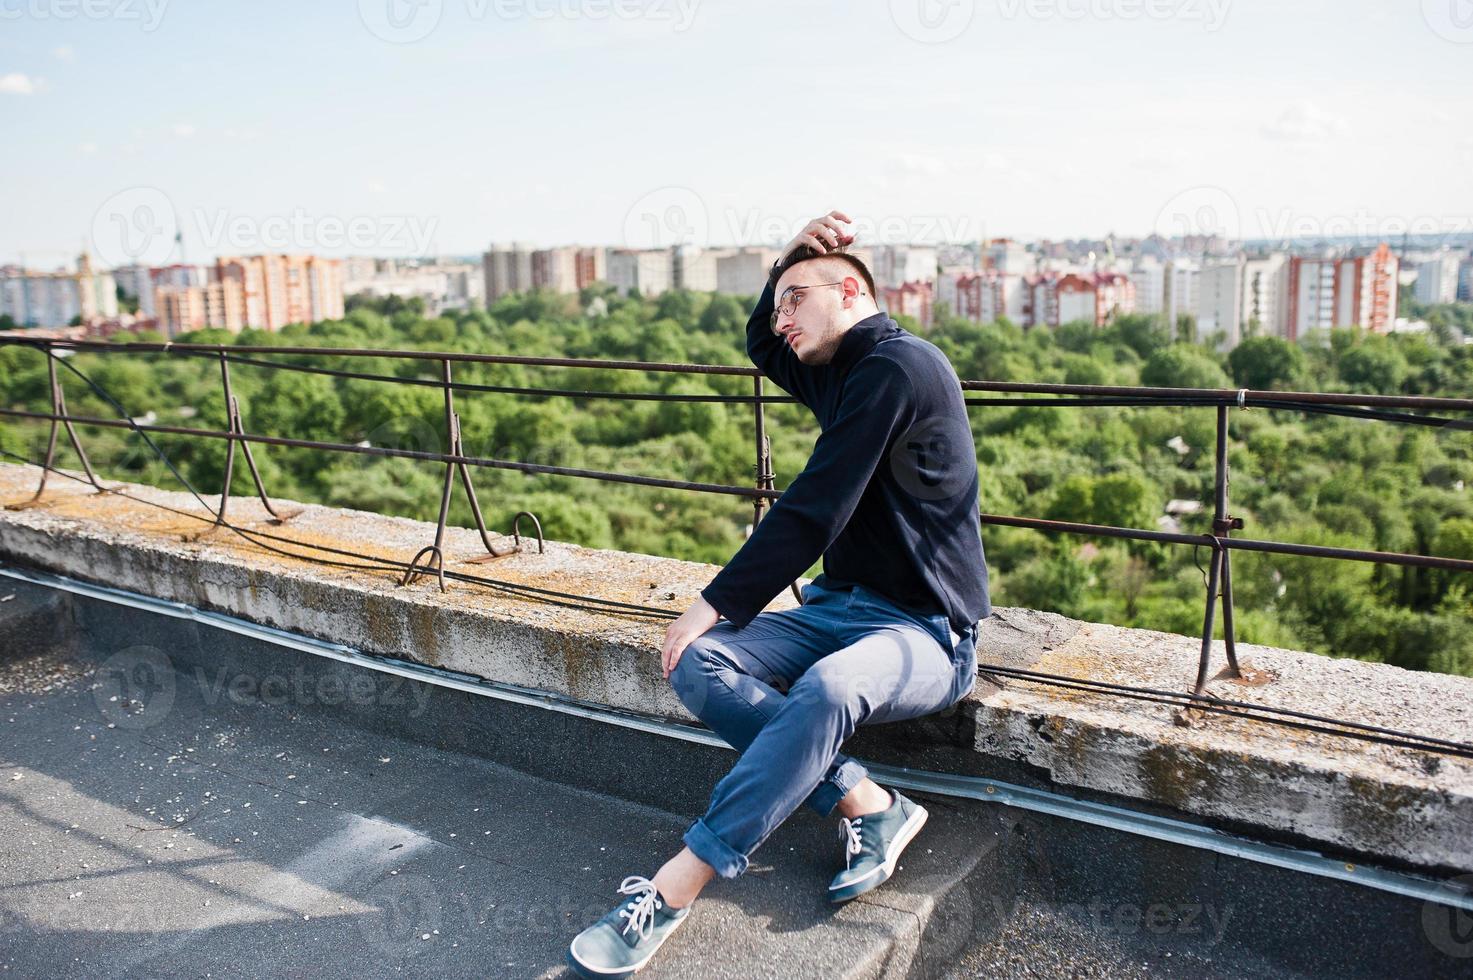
(58, 408)
(436, 551)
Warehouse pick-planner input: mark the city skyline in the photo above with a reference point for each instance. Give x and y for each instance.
(1270, 120)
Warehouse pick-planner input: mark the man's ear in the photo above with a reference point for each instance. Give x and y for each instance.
(851, 290)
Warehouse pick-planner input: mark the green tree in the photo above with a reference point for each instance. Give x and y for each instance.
(1144, 333)
(1266, 363)
(1374, 366)
(1057, 581)
(126, 303)
(1126, 500)
(723, 316)
(1309, 478)
(1186, 328)
(302, 406)
(1074, 500)
(1183, 366)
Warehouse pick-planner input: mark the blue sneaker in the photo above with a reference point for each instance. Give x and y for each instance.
(613, 948)
(873, 844)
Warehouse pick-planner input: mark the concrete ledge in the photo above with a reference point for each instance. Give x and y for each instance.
(1390, 805)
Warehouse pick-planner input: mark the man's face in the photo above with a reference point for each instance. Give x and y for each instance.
(817, 322)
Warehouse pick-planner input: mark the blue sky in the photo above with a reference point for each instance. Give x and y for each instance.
(642, 121)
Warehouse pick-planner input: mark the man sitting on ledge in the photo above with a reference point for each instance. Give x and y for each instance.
(886, 633)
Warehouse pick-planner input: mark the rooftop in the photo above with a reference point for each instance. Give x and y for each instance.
(1215, 808)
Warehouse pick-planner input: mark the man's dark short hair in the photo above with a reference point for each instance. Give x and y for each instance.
(806, 253)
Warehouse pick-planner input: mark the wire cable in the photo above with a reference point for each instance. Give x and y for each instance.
(1285, 717)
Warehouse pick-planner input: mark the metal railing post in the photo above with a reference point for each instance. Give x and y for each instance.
(456, 450)
(436, 551)
(1218, 578)
(58, 408)
(1219, 574)
(765, 475)
(230, 415)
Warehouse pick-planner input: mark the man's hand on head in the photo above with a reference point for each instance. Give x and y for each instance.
(696, 620)
(825, 233)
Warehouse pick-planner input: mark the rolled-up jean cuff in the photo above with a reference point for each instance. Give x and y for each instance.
(714, 851)
(830, 792)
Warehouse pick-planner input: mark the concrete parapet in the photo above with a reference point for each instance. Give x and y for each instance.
(1384, 803)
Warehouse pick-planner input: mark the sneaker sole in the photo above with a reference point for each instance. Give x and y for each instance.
(908, 830)
(618, 973)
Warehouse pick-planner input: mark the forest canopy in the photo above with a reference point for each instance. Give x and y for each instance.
(1317, 479)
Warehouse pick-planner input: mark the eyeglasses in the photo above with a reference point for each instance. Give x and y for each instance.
(790, 298)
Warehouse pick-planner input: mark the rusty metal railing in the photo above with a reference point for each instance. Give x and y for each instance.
(763, 491)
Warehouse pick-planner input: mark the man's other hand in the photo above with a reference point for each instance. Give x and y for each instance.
(695, 621)
(824, 233)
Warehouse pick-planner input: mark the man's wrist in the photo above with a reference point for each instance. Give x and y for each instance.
(714, 608)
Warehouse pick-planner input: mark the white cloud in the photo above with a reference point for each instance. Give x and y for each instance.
(183, 130)
(1306, 122)
(87, 147)
(1158, 159)
(995, 161)
(64, 52)
(15, 83)
(376, 187)
(921, 164)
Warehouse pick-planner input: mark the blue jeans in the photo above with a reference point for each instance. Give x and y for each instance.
(792, 686)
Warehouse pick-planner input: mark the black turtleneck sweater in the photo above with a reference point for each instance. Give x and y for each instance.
(889, 496)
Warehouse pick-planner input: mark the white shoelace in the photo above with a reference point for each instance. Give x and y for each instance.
(641, 913)
(852, 833)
